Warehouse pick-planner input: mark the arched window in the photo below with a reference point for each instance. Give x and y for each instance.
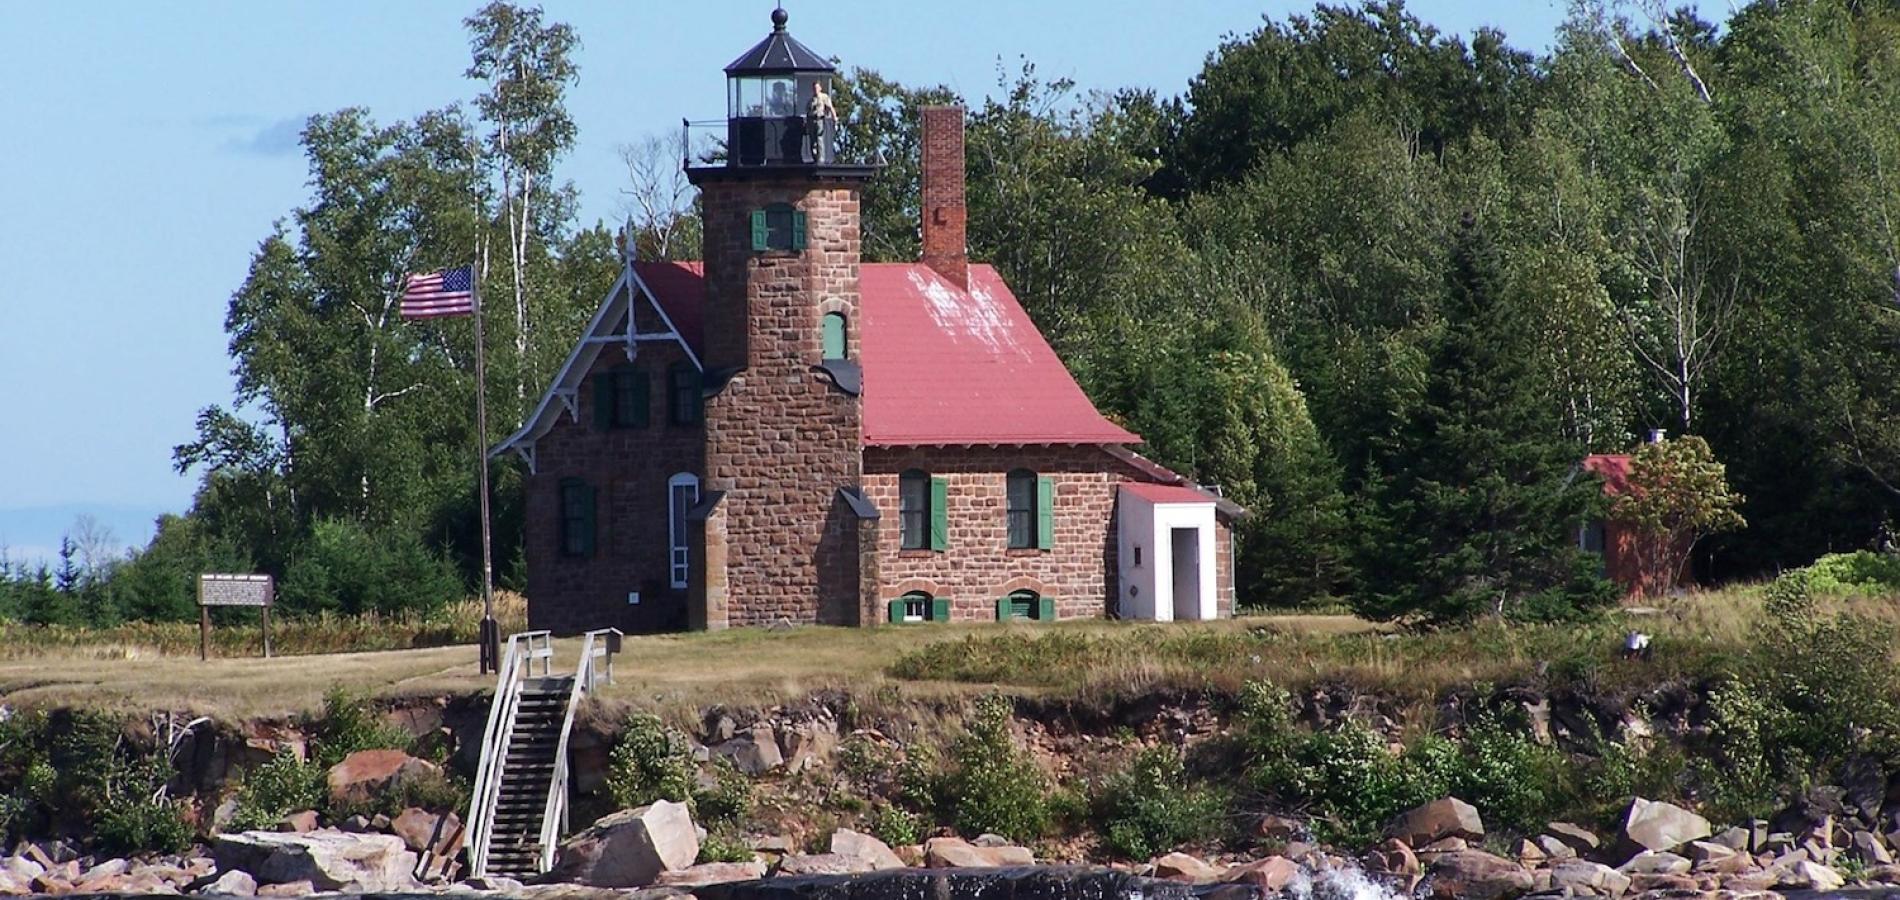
(834, 336)
(918, 606)
(1025, 604)
(1021, 488)
(683, 390)
(682, 494)
(913, 509)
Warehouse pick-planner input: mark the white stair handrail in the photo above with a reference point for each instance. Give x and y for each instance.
(516, 663)
(601, 644)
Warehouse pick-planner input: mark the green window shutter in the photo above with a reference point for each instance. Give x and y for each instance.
(1046, 610)
(642, 391)
(1045, 512)
(940, 609)
(1004, 609)
(798, 232)
(834, 335)
(603, 401)
(939, 514)
(760, 234)
(588, 499)
(897, 610)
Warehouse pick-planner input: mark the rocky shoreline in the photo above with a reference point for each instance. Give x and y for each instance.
(1440, 850)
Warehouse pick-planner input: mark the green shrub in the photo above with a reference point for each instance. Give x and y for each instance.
(1508, 776)
(993, 786)
(349, 723)
(722, 847)
(651, 762)
(1830, 673)
(142, 825)
(895, 826)
(1862, 570)
(282, 786)
(1742, 774)
(343, 567)
(1149, 808)
(920, 780)
(728, 799)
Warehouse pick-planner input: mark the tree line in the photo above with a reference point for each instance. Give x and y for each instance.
(1385, 285)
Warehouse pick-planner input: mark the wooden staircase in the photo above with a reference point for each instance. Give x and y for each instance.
(518, 808)
(527, 774)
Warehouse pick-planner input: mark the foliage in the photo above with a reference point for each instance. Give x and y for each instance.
(651, 762)
(348, 723)
(1677, 494)
(1149, 808)
(727, 799)
(267, 793)
(1862, 570)
(144, 826)
(722, 847)
(345, 569)
(895, 825)
(992, 786)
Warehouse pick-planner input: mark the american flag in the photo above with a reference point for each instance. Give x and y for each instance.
(448, 292)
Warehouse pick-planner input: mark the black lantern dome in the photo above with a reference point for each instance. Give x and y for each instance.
(773, 114)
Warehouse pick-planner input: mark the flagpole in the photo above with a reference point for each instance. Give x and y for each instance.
(490, 630)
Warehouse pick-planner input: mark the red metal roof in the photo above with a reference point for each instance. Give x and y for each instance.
(1614, 468)
(942, 365)
(1168, 493)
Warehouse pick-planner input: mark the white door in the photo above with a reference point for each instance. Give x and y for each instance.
(1185, 556)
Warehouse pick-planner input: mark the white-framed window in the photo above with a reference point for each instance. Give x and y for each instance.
(916, 607)
(682, 494)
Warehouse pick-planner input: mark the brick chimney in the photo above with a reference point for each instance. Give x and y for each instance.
(945, 246)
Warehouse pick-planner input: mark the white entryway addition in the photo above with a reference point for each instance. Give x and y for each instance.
(1166, 552)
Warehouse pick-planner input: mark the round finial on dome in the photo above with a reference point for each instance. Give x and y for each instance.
(778, 19)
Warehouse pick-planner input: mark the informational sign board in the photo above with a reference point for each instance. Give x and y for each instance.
(232, 590)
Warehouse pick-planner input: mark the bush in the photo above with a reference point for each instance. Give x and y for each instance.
(143, 825)
(348, 724)
(1508, 776)
(282, 786)
(895, 826)
(344, 567)
(1149, 808)
(651, 762)
(727, 799)
(993, 787)
(1863, 570)
(721, 847)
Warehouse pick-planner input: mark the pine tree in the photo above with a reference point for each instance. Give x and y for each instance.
(1474, 501)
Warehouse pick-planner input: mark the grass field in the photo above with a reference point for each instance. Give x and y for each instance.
(134, 671)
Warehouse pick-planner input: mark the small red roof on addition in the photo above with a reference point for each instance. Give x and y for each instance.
(1614, 468)
(942, 364)
(1168, 493)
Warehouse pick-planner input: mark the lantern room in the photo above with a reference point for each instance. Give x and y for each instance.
(774, 114)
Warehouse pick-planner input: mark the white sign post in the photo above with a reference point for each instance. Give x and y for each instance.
(232, 590)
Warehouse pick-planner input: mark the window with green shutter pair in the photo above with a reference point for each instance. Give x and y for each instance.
(924, 517)
(778, 227)
(577, 517)
(1025, 605)
(918, 606)
(1032, 510)
(622, 395)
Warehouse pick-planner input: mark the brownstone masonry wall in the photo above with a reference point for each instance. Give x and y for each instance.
(781, 439)
(629, 469)
(978, 567)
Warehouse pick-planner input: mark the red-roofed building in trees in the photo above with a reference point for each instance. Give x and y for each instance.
(785, 433)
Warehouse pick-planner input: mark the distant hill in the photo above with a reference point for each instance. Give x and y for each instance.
(32, 533)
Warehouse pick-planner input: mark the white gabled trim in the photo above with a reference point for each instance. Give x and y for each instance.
(671, 328)
(526, 452)
(599, 333)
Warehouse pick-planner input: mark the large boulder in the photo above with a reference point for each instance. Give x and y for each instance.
(235, 883)
(630, 849)
(1272, 874)
(822, 864)
(713, 873)
(1477, 875)
(1655, 825)
(753, 751)
(949, 852)
(1184, 867)
(1443, 818)
(330, 860)
(857, 845)
(1573, 875)
(366, 774)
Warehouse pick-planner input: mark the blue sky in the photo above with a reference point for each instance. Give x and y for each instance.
(148, 148)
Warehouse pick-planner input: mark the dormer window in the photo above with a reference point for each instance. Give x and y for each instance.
(778, 227)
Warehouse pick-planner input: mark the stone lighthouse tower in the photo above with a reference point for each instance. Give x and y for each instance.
(781, 532)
